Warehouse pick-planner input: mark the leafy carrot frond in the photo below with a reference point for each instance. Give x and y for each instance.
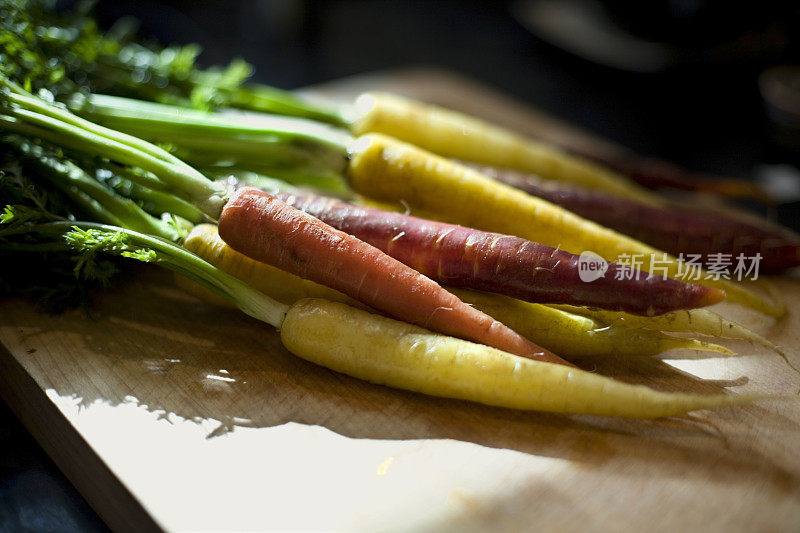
(90, 239)
(91, 242)
(15, 215)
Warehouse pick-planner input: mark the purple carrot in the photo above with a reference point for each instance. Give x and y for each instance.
(657, 174)
(673, 229)
(504, 264)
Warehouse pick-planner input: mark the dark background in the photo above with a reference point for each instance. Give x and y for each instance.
(702, 109)
(703, 113)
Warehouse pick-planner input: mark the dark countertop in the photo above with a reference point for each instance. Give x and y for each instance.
(705, 117)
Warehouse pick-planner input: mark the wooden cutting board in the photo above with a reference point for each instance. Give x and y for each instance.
(169, 413)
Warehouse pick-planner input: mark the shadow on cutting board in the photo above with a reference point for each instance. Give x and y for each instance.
(178, 356)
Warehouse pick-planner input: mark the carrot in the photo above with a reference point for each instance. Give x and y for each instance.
(388, 352)
(503, 264)
(385, 351)
(568, 334)
(673, 229)
(451, 134)
(262, 227)
(278, 284)
(697, 321)
(576, 336)
(384, 169)
(655, 174)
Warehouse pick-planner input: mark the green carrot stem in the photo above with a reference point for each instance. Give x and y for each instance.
(147, 180)
(116, 111)
(155, 202)
(254, 179)
(258, 97)
(92, 196)
(249, 140)
(205, 194)
(247, 151)
(129, 243)
(29, 102)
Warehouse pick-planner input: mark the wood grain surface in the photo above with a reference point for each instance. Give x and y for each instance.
(170, 413)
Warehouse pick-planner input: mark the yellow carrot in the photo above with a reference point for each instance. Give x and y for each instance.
(397, 354)
(386, 170)
(697, 321)
(573, 335)
(452, 134)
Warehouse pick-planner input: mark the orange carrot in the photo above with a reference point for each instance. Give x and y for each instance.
(262, 227)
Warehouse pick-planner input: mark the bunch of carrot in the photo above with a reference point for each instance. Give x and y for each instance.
(582, 186)
(345, 261)
(613, 201)
(554, 227)
(439, 188)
